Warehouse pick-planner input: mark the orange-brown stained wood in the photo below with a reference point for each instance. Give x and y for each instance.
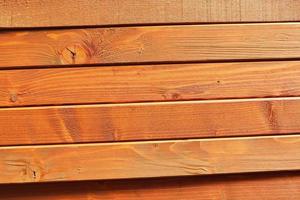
(36, 13)
(148, 159)
(143, 121)
(149, 44)
(149, 83)
(270, 186)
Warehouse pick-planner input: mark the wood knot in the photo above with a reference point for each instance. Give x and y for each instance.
(29, 171)
(175, 96)
(13, 97)
(74, 54)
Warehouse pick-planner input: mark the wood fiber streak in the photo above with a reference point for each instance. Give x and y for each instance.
(148, 159)
(271, 186)
(148, 83)
(149, 44)
(123, 122)
(36, 13)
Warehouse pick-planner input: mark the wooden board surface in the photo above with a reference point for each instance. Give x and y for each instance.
(263, 186)
(149, 44)
(46, 69)
(149, 83)
(123, 122)
(148, 159)
(36, 13)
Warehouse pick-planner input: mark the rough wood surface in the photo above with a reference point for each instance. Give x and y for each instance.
(148, 159)
(143, 121)
(36, 13)
(149, 44)
(262, 186)
(149, 83)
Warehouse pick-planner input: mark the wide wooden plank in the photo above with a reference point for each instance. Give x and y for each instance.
(149, 83)
(271, 186)
(143, 121)
(148, 159)
(36, 13)
(149, 44)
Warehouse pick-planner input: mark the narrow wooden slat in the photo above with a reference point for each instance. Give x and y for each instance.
(148, 159)
(36, 13)
(123, 122)
(149, 83)
(271, 186)
(149, 44)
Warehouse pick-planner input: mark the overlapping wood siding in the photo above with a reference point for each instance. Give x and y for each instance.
(135, 89)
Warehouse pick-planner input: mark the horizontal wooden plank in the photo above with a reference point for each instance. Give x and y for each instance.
(271, 186)
(149, 44)
(149, 83)
(148, 159)
(137, 121)
(35, 13)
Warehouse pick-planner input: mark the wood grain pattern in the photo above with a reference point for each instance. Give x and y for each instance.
(149, 44)
(149, 83)
(270, 186)
(36, 13)
(148, 159)
(137, 121)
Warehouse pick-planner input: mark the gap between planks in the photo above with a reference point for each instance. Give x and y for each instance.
(271, 186)
(191, 102)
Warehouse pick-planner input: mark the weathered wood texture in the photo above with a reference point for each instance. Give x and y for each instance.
(149, 44)
(121, 122)
(148, 159)
(36, 13)
(149, 83)
(259, 186)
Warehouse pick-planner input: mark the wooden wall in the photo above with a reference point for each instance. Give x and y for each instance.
(141, 99)
(271, 186)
